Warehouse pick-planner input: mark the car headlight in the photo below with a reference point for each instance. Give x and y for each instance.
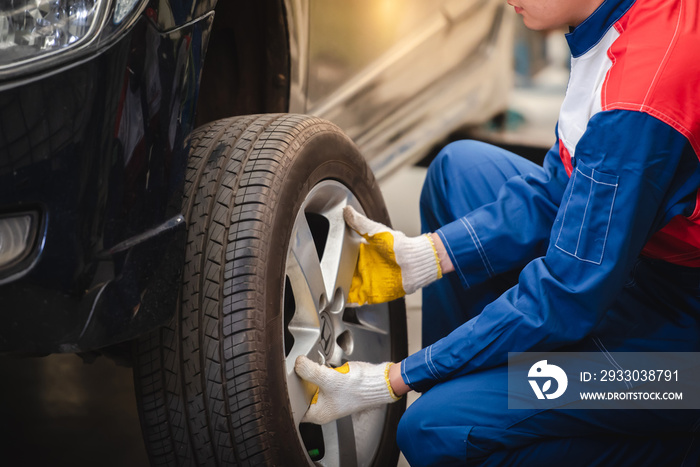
(122, 9)
(34, 29)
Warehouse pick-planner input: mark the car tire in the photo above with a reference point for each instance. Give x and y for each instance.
(268, 264)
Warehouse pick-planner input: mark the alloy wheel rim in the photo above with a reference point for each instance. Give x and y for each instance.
(320, 261)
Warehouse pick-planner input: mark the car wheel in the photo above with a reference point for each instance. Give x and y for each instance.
(268, 267)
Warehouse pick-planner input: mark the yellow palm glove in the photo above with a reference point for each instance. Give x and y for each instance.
(390, 264)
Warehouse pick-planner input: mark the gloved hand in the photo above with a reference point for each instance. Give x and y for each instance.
(390, 264)
(350, 388)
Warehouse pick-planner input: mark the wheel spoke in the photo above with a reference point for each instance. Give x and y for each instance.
(305, 276)
(374, 317)
(339, 440)
(353, 440)
(300, 391)
(368, 344)
(368, 425)
(341, 252)
(307, 287)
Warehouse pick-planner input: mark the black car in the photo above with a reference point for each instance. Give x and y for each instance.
(166, 199)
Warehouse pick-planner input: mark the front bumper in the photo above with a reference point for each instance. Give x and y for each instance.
(98, 151)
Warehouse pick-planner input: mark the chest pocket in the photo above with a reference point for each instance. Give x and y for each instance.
(587, 212)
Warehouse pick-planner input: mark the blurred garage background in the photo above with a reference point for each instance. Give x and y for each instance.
(59, 411)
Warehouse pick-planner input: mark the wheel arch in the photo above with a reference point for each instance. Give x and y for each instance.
(247, 66)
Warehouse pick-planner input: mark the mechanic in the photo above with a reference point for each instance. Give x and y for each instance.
(598, 250)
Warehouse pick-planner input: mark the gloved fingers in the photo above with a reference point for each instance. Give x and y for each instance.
(309, 370)
(320, 375)
(322, 413)
(321, 409)
(361, 224)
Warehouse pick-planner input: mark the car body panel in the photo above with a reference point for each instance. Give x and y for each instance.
(398, 76)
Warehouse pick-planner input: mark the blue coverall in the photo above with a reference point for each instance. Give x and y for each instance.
(551, 258)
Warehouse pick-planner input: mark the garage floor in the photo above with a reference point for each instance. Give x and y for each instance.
(57, 411)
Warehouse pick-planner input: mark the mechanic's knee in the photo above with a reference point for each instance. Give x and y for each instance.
(411, 439)
(424, 442)
(450, 167)
(444, 173)
(441, 168)
(461, 155)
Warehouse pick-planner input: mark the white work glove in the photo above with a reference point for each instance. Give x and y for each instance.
(350, 388)
(390, 264)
